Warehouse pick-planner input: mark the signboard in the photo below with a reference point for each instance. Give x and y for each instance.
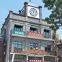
(35, 59)
(35, 35)
(33, 12)
(18, 33)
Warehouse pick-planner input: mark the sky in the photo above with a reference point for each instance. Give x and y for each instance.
(16, 5)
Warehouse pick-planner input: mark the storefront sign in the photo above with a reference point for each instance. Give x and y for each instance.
(35, 35)
(18, 33)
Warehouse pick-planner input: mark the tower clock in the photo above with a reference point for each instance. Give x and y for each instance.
(33, 12)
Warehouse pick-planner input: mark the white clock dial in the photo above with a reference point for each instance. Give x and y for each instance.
(33, 12)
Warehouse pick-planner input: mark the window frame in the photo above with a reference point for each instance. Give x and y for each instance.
(33, 45)
(48, 48)
(47, 34)
(18, 27)
(17, 44)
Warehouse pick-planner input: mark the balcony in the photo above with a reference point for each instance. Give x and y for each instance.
(31, 51)
(47, 35)
(35, 35)
(18, 33)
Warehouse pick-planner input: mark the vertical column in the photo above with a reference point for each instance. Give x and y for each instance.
(25, 6)
(26, 58)
(12, 48)
(40, 12)
(43, 59)
(13, 58)
(8, 44)
(26, 9)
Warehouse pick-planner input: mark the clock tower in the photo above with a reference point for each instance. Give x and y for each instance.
(33, 11)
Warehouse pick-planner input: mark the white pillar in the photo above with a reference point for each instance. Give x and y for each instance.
(27, 58)
(13, 58)
(43, 59)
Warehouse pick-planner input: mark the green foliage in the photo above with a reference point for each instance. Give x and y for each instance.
(49, 3)
(20, 56)
(56, 7)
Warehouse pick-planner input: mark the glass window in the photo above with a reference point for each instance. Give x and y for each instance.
(46, 33)
(18, 28)
(33, 45)
(33, 29)
(14, 44)
(17, 44)
(48, 48)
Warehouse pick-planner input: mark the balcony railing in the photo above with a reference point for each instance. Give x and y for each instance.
(30, 34)
(18, 33)
(47, 36)
(35, 35)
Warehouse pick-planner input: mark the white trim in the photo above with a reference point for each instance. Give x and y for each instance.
(13, 58)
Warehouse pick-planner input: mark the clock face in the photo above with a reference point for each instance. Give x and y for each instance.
(33, 12)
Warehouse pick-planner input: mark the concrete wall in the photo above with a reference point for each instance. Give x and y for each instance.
(13, 19)
(1, 50)
(26, 43)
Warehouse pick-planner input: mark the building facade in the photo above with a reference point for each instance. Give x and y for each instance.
(27, 37)
(59, 50)
(1, 50)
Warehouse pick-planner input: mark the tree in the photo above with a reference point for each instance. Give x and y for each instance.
(56, 12)
(55, 17)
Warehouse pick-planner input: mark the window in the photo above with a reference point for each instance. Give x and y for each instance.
(18, 28)
(17, 45)
(33, 45)
(20, 57)
(33, 29)
(14, 44)
(48, 48)
(46, 33)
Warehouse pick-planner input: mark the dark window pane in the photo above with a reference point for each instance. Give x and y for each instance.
(17, 44)
(33, 45)
(47, 33)
(18, 28)
(48, 48)
(33, 29)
